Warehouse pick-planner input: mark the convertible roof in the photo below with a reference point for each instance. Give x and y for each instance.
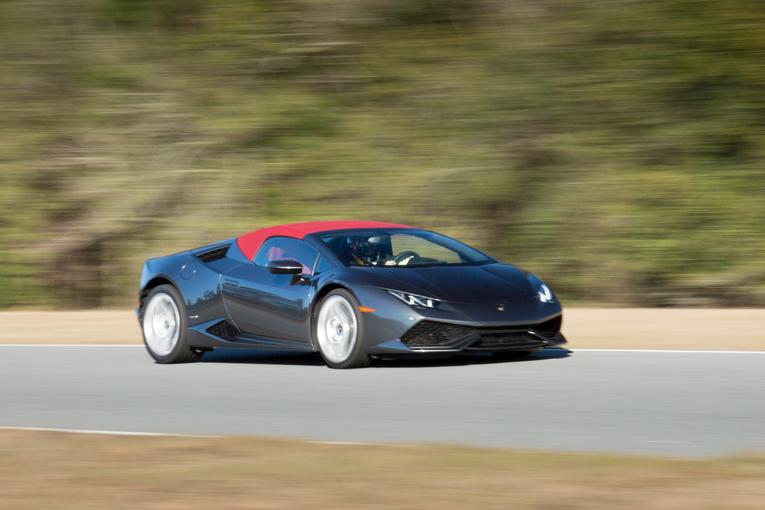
(250, 243)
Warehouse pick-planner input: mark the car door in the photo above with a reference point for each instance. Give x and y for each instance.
(272, 305)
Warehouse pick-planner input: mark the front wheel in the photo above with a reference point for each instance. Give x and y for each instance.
(338, 331)
(164, 326)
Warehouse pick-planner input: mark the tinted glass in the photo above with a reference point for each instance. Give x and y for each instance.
(401, 248)
(279, 248)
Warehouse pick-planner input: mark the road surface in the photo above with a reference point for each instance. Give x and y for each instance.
(668, 403)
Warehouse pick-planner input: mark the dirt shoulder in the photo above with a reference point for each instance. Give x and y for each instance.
(627, 328)
(51, 470)
(665, 328)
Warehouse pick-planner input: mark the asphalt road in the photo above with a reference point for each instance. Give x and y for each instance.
(676, 403)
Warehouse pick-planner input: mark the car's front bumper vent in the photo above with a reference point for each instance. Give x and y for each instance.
(511, 340)
(438, 335)
(435, 336)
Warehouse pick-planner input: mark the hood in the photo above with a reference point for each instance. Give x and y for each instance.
(467, 284)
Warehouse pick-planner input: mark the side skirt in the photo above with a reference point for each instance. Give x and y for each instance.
(220, 333)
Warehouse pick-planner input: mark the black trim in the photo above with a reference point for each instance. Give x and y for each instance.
(223, 330)
(216, 253)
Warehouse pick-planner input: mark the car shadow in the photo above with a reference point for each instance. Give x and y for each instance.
(314, 359)
(262, 357)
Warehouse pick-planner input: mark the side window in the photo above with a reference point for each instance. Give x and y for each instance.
(276, 248)
(323, 265)
(423, 248)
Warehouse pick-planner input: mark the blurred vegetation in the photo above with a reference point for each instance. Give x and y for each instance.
(617, 148)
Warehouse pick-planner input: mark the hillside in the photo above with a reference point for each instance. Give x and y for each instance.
(615, 148)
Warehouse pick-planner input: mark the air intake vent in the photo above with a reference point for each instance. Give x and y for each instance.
(434, 335)
(507, 341)
(438, 335)
(223, 329)
(214, 254)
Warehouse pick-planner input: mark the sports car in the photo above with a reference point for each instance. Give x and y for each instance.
(350, 290)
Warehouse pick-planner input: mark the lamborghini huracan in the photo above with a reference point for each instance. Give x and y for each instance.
(351, 290)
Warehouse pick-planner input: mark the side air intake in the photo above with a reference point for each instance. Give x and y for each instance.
(223, 330)
(214, 254)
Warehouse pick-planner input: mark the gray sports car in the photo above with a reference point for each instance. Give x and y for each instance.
(348, 289)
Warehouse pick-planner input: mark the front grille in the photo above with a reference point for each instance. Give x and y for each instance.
(547, 329)
(508, 340)
(438, 335)
(433, 335)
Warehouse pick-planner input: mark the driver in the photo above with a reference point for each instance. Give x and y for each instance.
(366, 251)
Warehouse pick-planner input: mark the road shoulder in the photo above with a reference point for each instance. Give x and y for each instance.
(592, 328)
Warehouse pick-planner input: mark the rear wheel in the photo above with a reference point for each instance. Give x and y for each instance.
(164, 327)
(338, 331)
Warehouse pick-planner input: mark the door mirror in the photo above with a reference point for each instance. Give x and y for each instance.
(285, 266)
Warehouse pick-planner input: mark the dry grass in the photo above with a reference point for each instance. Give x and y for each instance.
(639, 328)
(56, 470)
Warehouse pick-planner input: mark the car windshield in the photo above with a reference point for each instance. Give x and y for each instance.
(401, 248)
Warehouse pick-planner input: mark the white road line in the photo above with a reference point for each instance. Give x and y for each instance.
(671, 351)
(163, 434)
(573, 349)
(103, 432)
(100, 346)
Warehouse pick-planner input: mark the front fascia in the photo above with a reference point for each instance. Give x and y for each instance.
(392, 317)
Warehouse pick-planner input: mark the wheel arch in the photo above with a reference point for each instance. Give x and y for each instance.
(321, 294)
(326, 289)
(152, 284)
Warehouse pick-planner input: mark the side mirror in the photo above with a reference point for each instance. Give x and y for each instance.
(285, 266)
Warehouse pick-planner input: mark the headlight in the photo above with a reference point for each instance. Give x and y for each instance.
(545, 294)
(415, 299)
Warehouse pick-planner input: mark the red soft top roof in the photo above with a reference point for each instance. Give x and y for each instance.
(250, 243)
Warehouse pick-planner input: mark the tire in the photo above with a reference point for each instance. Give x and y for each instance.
(163, 324)
(338, 330)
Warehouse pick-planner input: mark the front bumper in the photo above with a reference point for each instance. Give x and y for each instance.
(397, 328)
(434, 336)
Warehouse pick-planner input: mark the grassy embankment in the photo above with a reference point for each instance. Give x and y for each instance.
(615, 148)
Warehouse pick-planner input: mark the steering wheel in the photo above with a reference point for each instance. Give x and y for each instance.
(398, 259)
